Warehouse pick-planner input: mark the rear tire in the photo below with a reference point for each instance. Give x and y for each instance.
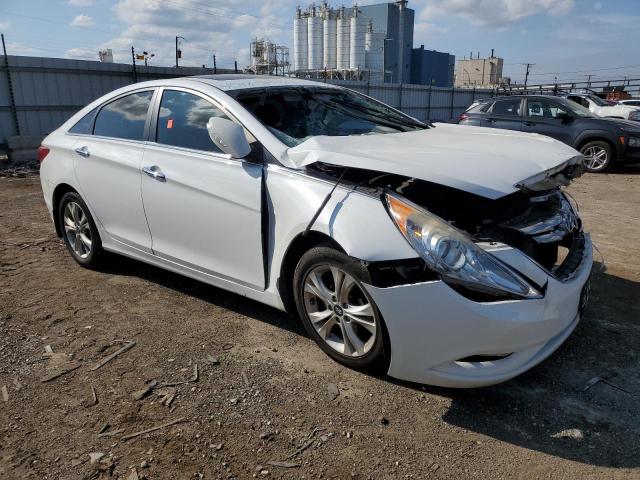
(598, 156)
(346, 324)
(79, 231)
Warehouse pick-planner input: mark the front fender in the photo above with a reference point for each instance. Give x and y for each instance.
(357, 221)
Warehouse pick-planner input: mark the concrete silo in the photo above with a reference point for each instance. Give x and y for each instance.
(300, 43)
(315, 40)
(374, 51)
(330, 39)
(343, 47)
(357, 37)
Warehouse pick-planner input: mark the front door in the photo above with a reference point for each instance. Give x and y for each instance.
(107, 164)
(203, 208)
(547, 117)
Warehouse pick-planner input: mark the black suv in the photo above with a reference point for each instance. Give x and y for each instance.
(602, 141)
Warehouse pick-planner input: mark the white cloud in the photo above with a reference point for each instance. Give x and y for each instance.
(497, 13)
(597, 5)
(82, 53)
(226, 28)
(16, 48)
(82, 21)
(80, 3)
(5, 25)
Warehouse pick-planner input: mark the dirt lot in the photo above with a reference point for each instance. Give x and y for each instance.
(274, 396)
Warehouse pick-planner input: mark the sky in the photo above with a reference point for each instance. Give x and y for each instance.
(567, 39)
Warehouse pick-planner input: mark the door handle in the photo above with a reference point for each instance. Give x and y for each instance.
(530, 124)
(155, 173)
(491, 120)
(83, 151)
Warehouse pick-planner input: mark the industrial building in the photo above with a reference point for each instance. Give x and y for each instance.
(267, 58)
(479, 72)
(373, 42)
(429, 67)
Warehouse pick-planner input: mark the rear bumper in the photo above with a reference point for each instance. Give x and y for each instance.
(432, 328)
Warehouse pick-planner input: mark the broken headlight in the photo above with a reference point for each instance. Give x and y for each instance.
(453, 254)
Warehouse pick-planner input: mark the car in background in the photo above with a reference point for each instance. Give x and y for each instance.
(603, 141)
(603, 108)
(631, 102)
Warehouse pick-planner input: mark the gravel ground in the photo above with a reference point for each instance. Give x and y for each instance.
(264, 393)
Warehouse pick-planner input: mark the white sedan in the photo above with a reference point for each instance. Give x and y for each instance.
(439, 254)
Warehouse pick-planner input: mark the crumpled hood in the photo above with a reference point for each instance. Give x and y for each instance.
(483, 161)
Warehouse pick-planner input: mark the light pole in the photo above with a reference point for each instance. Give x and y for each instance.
(178, 51)
(147, 56)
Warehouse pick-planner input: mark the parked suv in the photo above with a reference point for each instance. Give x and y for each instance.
(603, 141)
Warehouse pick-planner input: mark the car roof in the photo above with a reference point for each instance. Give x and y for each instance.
(244, 81)
(504, 97)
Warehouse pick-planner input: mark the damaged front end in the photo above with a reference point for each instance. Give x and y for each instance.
(538, 219)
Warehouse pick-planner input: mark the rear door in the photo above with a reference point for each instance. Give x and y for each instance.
(107, 165)
(203, 207)
(505, 113)
(542, 116)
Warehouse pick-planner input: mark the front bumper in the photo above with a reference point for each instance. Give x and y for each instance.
(432, 328)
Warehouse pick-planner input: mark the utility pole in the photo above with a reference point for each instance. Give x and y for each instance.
(133, 58)
(178, 51)
(526, 76)
(215, 67)
(589, 81)
(12, 98)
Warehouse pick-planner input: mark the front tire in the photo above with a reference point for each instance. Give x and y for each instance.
(338, 312)
(79, 231)
(598, 156)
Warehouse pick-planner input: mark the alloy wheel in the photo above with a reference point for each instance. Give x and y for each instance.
(340, 311)
(77, 229)
(596, 157)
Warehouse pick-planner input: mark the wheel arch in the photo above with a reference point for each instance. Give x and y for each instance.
(58, 193)
(296, 249)
(598, 138)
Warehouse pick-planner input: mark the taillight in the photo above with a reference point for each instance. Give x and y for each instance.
(462, 117)
(42, 153)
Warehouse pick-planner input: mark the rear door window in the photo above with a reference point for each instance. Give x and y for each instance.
(182, 121)
(510, 106)
(125, 117)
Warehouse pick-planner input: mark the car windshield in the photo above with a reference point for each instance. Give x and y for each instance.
(296, 114)
(575, 108)
(598, 101)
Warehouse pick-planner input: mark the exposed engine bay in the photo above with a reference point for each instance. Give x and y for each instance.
(542, 223)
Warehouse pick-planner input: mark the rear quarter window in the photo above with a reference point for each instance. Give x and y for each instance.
(84, 126)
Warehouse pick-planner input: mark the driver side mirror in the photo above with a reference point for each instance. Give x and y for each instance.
(564, 117)
(229, 137)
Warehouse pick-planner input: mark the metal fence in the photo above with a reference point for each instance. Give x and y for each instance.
(38, 94)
